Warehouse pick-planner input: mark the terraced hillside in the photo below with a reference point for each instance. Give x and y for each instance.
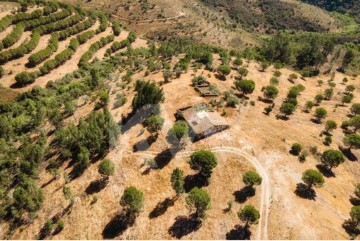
(97, 137)
(50, 41)
(225, 23)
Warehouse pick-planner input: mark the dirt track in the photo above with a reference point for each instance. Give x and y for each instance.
(262, 232)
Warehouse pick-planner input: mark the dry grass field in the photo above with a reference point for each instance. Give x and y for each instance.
(254, 141)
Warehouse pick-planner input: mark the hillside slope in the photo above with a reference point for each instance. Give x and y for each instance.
(225, 23)
(345, 6)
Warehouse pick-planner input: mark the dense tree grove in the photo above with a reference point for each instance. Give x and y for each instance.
(92, 134)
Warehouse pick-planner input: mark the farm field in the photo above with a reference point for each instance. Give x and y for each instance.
(94, 142)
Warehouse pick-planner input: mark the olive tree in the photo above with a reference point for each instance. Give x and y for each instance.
(178, 134)
(309, 105)
(224, 70)
(312, 178)
(355, 215)
(106, 168)
(352, 141)
(320, 113)
(154, 123)
(177, 181)
(132, 200)
(355, 122)
(357, 190)
(199, 200)
(330, 125)
(249, 214)
(287, 108)
(355, 109)
(251, 178)
(243, 72)
(271, 92)
(332, 158)
(245, 86)
(203, 161)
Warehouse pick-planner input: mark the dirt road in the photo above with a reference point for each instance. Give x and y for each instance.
(262, 232)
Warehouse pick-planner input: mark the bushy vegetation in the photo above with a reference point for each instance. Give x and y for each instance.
(95, 47)
(148, 92)
(20, 51)
(14, 36)
(47, 19)
(45, 53)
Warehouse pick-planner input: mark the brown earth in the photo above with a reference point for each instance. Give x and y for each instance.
(262, 137)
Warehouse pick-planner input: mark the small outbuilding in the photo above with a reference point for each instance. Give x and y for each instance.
(202, 120)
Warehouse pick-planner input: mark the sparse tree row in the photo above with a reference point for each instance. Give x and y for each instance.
(13, 19)
(20, 51)
(25, 77)
(77, 28)
(13, 36)
(59, 25)
(103, 23)
(30, 24)
(45, 53)
(95, 47)
(116, 28)
(116, 46)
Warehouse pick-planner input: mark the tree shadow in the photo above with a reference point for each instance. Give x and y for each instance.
(45, 231)
(282, 117)
(244, 193)
(348, 153)
(303, 192)
(48, 182)
(196, 180)
(163, 158)
(354, 201)
(136, 117)
(161, 207)
(316, 121)
(96, 186)
(325, 171)
(144, 145)
(184, 225)
(350, 228)
(239, 232)
(119, 224)
(220, 77)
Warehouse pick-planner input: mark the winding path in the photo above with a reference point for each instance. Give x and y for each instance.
(262, 233)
